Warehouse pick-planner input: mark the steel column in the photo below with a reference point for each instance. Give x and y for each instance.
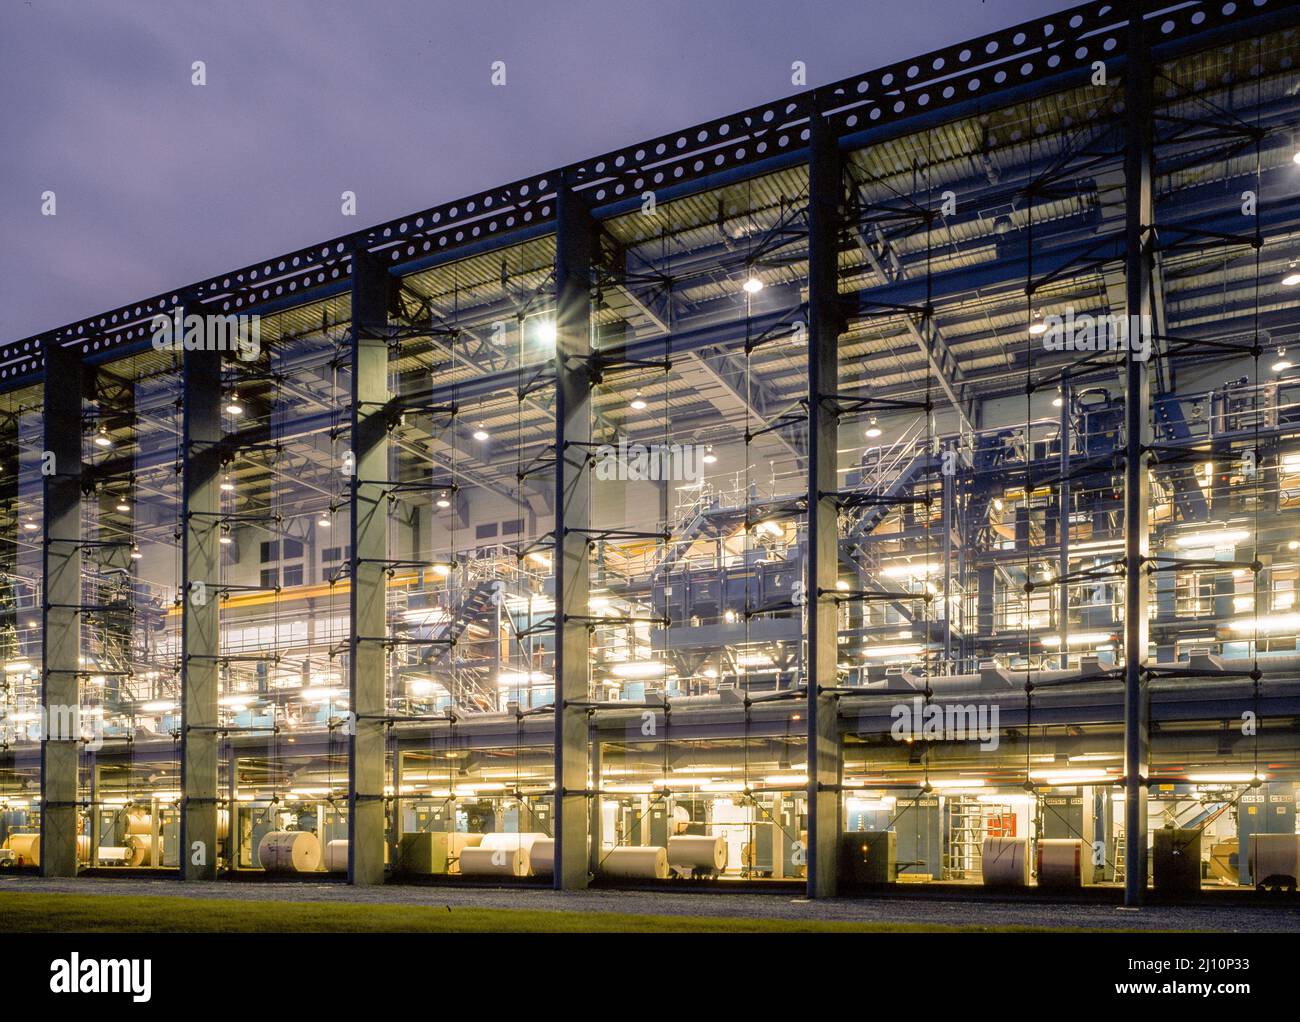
(1138, 262)
(200, 612)
(825, 324)
(575, 244)
(60, 618)
(368, 511)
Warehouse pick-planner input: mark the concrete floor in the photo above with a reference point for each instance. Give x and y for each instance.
(1267, 916)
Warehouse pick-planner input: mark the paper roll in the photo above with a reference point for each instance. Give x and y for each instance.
(681, 819)
(1006, 861)
(503, 839)
(111, 855)
(138, 847)
(457, 842)
(289, 851)
(83, 847)
(139, 823)
(688, 852)
(336, 856)
(542, 857)
(1064, 862)
(1274, 855)
(27, 847)
(633, 861)
(486, 861)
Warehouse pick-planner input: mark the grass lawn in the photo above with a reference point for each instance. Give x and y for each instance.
(28, 912)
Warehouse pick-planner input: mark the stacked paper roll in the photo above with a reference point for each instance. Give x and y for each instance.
(336, 856)
(1006, 861)
(484, 861)
(1274, 855)
(83, 847)
(289, 851)
(138, 847)
(1063, 862)
(139, 823)
(650, 863)
(502, 839)
(687, 852)
(542, 857)
(681, 819)
(27, 847)
(111, 855)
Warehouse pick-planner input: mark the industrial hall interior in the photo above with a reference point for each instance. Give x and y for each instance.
(893, 487)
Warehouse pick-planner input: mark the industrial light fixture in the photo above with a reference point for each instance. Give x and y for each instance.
(907, 649)
(1068, 778)
(1079, 639)
(1059, 399)
(1282, 362)
(123, 504)
(1037, 325)
(233, 405)
(30, 524)
(752, 284)
(323, 520)
(546, 333)
(639, 669)
(1292, 276)
(102, 439)
(709, 456)
(637, 403)
(135, 552)
(997, 504)
(226, 485)
(225, 535)
(1267, 624)
(873, 430)
(442, 500)
(481, 434)
(1221, 538)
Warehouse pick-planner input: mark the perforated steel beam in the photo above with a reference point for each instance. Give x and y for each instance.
(368, 506)
(825, 324)
(1139, 215)
(60, 618)
(575, 245)
(200, 612)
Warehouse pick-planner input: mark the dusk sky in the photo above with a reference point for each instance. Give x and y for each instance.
(161, 183)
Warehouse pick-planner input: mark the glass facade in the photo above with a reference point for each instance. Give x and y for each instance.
(893, 485)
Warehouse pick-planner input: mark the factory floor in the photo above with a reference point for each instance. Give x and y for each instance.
(1220, 915)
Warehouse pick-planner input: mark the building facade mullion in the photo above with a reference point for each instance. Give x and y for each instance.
(574, 250)
(825, 324)
(200, 612)
(60, 609)
(368, 515)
